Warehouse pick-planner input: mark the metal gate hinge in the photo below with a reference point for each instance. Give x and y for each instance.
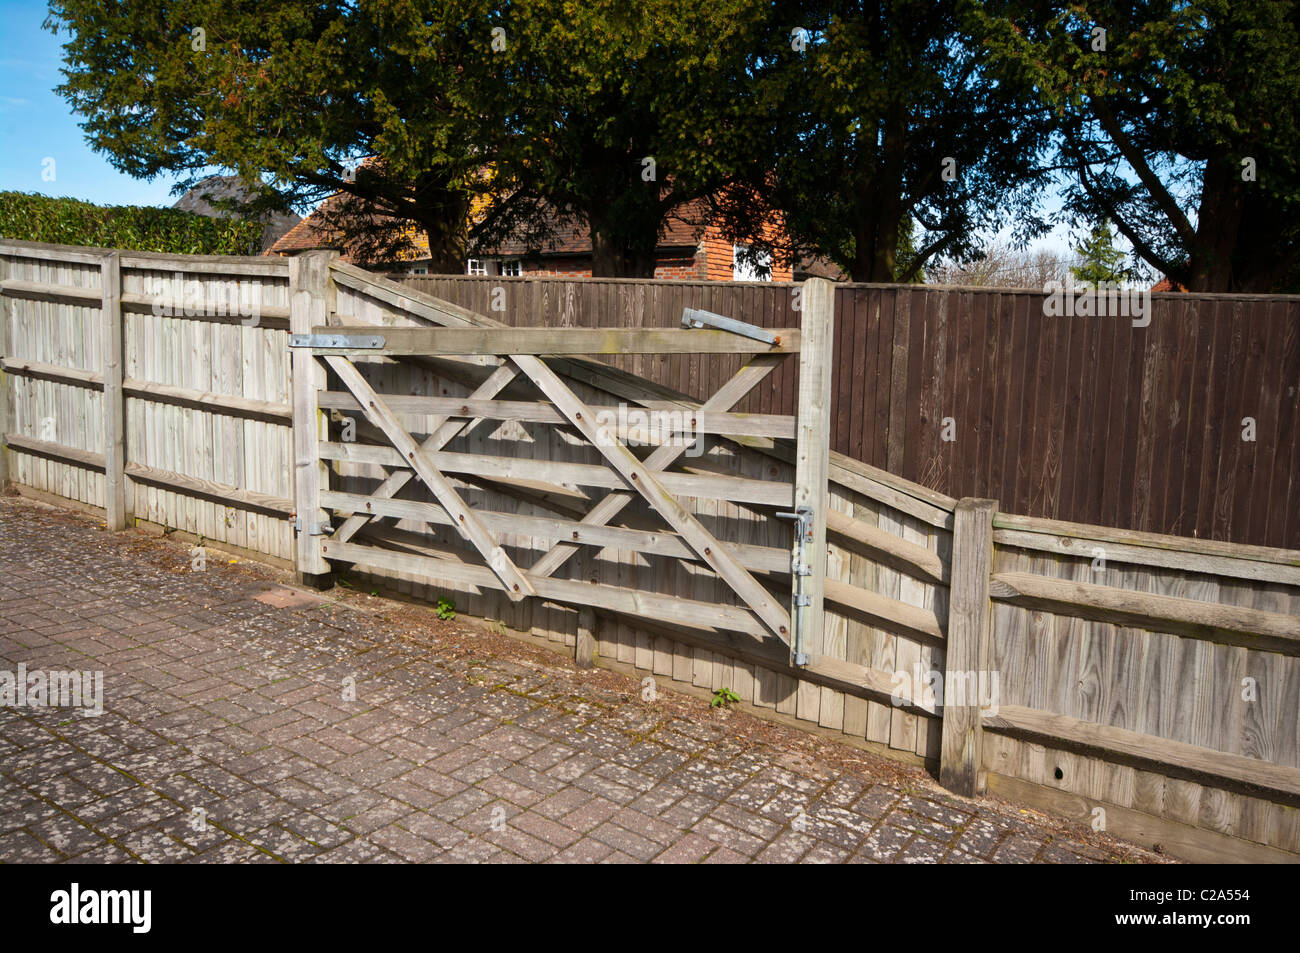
(352, 342)
(314, 529)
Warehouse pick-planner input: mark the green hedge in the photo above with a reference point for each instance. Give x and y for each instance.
(40, 218)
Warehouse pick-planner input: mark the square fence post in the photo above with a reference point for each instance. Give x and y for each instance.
(812, 465)
(110, 330)
(311, 294)
(5, 310)
(584, 650)
(970, 647)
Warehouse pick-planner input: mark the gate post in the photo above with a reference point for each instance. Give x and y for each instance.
(310, 290)
(969, 652)
(812, 469)
(6, 309)
(114, 423)
(584, 649)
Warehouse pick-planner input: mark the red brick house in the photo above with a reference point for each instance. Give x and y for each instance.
(689, 249)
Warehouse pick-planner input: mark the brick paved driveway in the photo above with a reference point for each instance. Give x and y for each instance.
(226, 736)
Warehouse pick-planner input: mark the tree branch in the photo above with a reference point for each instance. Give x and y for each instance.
(1146, 176)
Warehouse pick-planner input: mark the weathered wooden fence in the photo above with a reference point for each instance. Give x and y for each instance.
(1086, 419)
(151, 386)
(1145, 683)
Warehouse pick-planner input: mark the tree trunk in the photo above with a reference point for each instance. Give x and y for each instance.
(444, 216)
(615, 257)
(878, 198)
(1218, 227)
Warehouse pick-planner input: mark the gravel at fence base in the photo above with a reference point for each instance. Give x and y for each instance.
(226, 737)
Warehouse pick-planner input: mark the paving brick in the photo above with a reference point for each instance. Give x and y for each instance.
(687, 849)
(585, 851)
(545, 829)
(227, 695)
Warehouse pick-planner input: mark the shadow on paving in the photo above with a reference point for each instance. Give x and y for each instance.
(227, 735)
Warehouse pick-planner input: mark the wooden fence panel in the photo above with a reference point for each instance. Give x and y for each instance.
(204, 395)
(1086, 419)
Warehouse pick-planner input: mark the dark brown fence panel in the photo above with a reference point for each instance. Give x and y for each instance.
(1086, 419)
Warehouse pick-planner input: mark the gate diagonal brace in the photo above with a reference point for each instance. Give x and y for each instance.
(514, 582)
(642, 480)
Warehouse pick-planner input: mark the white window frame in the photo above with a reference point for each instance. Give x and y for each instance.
(511, 268)
(476, 266)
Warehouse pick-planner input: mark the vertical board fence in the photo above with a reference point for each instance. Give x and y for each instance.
(1085, 419)
(1145, 683)
(192, 431)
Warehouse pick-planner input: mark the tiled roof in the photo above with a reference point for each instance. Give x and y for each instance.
(313, 232)
(681, 230)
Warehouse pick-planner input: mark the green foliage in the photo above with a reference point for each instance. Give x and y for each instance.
(445, 608)
(1157, 120)
(723, 698)
(887, 117)
(295, 96)
(62, 221)
(622, 114)
(1103, 263)
(897, 133)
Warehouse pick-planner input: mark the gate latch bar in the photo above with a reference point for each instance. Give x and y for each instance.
(695, 318)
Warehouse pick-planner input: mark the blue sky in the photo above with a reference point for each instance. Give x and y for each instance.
(36, 124)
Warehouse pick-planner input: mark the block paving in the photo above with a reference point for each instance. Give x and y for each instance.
(248, 721)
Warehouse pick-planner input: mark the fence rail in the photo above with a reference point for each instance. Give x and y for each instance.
(1144, 682)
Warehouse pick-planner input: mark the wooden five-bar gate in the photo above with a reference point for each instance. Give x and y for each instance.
(438, 461)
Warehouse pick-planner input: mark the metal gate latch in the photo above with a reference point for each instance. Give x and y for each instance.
(695, 318)
(799, 568)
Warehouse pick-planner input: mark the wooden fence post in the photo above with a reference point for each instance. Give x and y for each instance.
(309, 304)
(969, 652)
(812, 459)
(584, 651)
(114, 421)
(5, 309)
